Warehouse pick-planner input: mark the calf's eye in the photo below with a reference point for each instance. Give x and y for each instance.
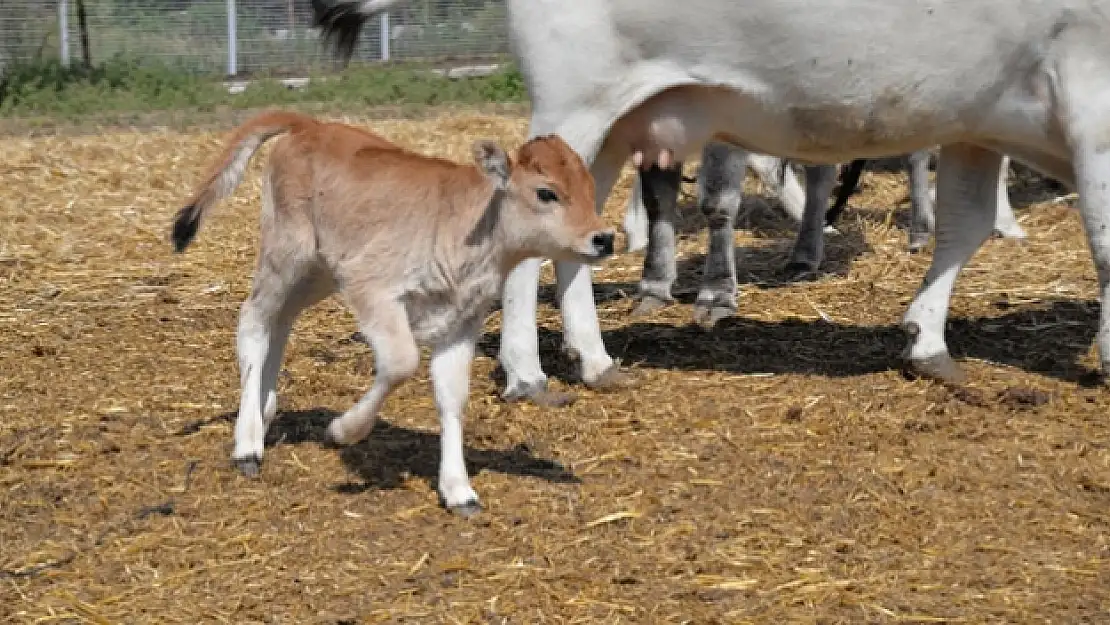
(546, 195)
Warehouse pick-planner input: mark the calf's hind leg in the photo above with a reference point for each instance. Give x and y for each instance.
(265, 321)
(286, 281)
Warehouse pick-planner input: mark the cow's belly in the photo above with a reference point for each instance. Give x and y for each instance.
(820, 127)
(812, 129)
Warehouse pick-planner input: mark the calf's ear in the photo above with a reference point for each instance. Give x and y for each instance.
(493, 162)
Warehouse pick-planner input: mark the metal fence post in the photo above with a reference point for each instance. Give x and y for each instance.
(232, 40)
(385, 36)
(63, 32)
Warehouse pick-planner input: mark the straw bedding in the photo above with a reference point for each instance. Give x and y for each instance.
(777, 469)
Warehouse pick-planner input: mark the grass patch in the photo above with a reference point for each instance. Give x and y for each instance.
(122, 85)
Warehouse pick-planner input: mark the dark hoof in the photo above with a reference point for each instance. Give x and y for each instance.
(796, 271)
(707, 315)
(940, 367)
(649, 304)
(327, 441)
(467, 509)
(613, 379)
(249, 466)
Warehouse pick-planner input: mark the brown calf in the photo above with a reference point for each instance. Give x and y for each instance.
(418, 246)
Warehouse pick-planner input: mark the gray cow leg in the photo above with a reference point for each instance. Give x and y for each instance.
(921, 200)
(809, 246)
(720, 193)
(659, 193)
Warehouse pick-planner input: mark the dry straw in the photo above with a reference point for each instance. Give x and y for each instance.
(778, 469)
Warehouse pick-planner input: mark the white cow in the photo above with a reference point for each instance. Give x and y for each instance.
(655, 80)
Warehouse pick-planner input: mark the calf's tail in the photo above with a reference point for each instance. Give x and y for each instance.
(227, 172)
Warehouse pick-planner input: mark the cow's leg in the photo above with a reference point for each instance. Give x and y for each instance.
(787, 189)
(720, 194)
(809, 246)
(660, 200)
(1005, 224)
(921, 200)
(1093, 184)
(636, 221)
(450, 372)
(967, 190)
(581, 329)
(519, 353)
(385, 325)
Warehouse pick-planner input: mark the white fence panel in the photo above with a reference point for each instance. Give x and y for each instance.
(270, 36)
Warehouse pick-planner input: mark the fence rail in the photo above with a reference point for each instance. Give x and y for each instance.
(236, 37)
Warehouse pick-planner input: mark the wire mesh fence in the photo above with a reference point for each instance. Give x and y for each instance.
(242, 36)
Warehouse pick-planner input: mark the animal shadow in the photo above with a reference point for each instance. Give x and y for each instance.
(391, 453)
(1047, 340)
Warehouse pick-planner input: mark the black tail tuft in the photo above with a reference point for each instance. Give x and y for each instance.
(185, 226)
(340, 23)
(849, 184)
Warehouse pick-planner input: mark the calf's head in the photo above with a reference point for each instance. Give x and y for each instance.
(545, 201)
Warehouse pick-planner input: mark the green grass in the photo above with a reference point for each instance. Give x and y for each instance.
(123, 86)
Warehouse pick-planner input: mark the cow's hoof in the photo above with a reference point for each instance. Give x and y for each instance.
(649, 304)
(466, 509)
(707, 314)
(799, 271)
(335, 437)
(1010, 231)
(552, 399)
(537, 394)
(248, 466)
(328, 440)
(939, 367)
(613, 379)
(918, 242)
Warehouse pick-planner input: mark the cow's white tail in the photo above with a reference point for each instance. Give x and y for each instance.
(227, 172)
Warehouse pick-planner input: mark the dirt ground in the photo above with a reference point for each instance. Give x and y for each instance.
(778, 469)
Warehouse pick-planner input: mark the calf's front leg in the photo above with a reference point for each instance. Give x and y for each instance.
(396, 357)
(450, 369)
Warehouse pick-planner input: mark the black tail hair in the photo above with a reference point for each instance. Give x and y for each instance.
(849, 184)
(185, 226)
(340, 23)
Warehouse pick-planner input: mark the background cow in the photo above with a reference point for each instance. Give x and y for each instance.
(719, 197)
